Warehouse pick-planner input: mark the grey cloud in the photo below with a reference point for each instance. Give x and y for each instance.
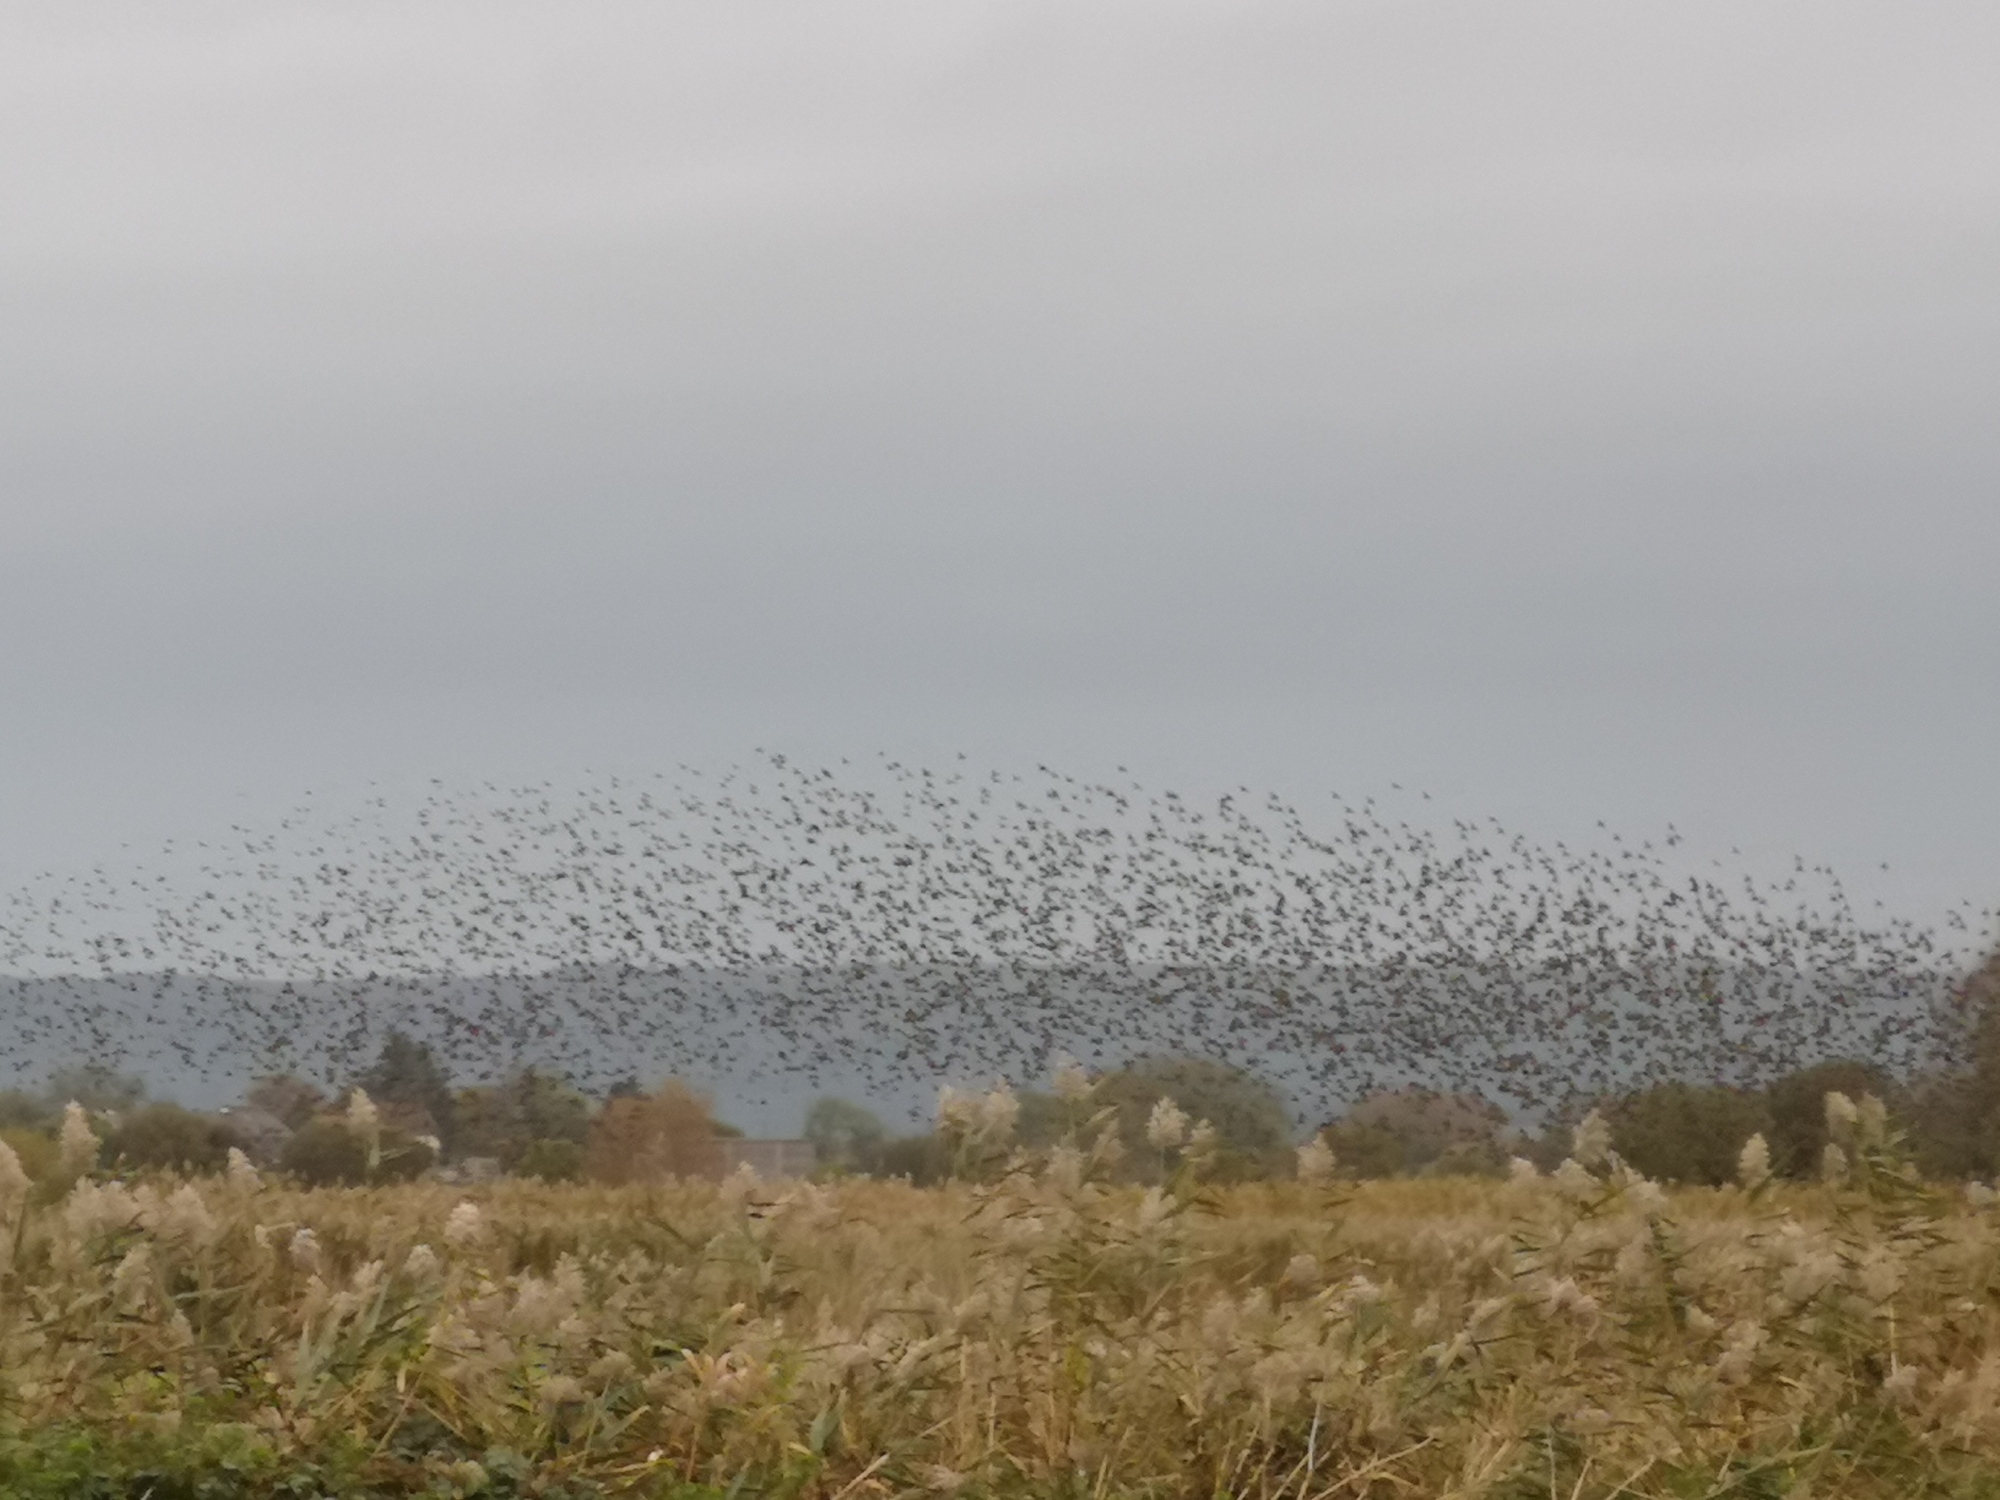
(1572, 405)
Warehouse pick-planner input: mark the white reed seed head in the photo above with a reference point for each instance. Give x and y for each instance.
(1203, 1143)
(1841, 1115)
(1065, 1169)
(1873, 1123)
(1753, 1163)
(1592, 1145)
(1072, 1081)
(186, 1219)
(1900, 1384)
(464, 1226)
(1573, 1180)
(1833, 1163)
(14, 1184)
(78, 1143)
(957, 1111)
(241, 1174)
(1739, 1352)
(998, 1110)
(362, 1116)
(1647, 1197)
(1167, 1125)
(1316, 1160)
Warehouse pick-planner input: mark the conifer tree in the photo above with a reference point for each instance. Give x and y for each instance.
(406, 1074)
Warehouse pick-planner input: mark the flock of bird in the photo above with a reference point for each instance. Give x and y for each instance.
(902, 926)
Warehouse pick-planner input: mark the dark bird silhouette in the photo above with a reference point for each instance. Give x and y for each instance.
(900, 925)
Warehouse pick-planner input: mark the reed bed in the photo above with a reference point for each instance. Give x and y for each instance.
(1038, 1332)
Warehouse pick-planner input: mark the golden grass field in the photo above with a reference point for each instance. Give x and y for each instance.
(1036, 1333)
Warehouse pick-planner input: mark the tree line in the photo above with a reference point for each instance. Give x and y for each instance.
(398, 1119)
(402, 1117)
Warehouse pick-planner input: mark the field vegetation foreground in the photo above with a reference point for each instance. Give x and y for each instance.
(1031, 1329)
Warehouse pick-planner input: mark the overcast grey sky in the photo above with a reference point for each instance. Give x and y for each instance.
(1580, 410)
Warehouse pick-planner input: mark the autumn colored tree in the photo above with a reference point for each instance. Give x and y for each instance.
(670, 1133)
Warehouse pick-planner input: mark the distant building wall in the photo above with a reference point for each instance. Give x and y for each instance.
(771, 1159)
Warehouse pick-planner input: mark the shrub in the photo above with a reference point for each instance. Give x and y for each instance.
(404, 1158)
(924, 1159)
(326, 1153)
(166, 1135)
(1468, 1159)
(552, 1161)
(1681, 1132)
(1361, 1150)
(1410, 1130)
(261, 1134)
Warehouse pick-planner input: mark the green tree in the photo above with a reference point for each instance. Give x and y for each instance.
(326, 1153)
(1979, 997)
(1797, 1107)
(96, 1086)
(502, 1120)
(552, 1161)
(20, 1110)
(286, 1098)
(1364, 1150)
(1950, 1133)
(165, 1135)
(1684, 1132)
(1045, 1119)
(406, 1079)
(550, 1108)
(1420, 1130)
(845, 1136)
(1957, 1113)
(924, 1159)
(1251, 1124)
